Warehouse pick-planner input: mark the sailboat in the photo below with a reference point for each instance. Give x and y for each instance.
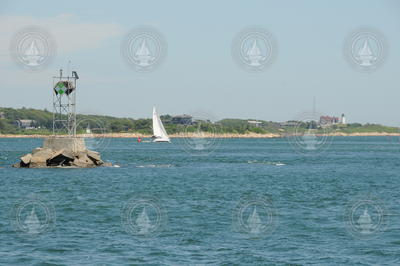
(159, 133)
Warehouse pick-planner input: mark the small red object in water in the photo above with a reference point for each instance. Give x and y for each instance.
(139, 139)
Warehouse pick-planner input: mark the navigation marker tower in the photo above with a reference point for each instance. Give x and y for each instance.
(64, 104)
(64, 148)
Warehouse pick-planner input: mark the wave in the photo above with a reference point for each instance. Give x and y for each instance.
(155, 166)
(265, 162)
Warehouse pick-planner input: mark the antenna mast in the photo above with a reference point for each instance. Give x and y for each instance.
(314, 105)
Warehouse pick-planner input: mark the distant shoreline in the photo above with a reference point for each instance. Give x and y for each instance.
(205, 135)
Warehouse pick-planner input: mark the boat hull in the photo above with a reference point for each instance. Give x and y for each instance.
(162, 140)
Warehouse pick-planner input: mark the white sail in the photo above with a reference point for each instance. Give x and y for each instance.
(158, 128)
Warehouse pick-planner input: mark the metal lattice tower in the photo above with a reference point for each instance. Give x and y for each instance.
(64, 104)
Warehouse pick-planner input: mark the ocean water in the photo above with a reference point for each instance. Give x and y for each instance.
(248, 202)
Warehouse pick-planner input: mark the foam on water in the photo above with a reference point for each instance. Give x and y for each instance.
(265, 162)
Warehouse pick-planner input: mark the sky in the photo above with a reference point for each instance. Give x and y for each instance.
(199, 73)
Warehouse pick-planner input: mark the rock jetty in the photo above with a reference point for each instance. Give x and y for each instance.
(61, 152)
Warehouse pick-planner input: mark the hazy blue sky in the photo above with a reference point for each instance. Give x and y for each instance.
(199, 72)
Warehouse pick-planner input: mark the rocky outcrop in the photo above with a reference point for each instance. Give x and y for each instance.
(61, 152)
(44, 158)
(26, 159)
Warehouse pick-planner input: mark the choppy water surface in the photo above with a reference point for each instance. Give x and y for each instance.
(249, 202)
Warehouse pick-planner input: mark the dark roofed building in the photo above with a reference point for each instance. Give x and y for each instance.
(182, 120)
(328, 120)
(26, 124)
(254, 123)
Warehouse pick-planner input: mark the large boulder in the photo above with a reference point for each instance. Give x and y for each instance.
(40, 157)
(26, 159)
(36, 150)
(82, 160)
(95, 157)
